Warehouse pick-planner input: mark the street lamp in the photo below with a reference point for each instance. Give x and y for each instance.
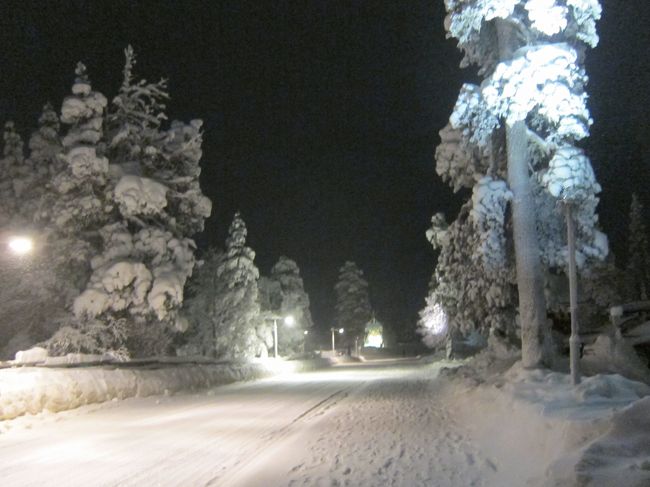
(20, 245)
(289, 321)
(333, 330)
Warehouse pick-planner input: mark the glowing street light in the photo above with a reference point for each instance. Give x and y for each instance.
(333, 330)
(289, 321)
(20, 245)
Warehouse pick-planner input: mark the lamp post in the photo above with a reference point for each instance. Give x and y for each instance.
(333, 330)
(289, 321)
(574, 340)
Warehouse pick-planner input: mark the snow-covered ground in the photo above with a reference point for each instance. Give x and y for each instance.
(35, 389)
(391, 422)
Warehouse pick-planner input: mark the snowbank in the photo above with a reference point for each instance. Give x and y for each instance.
(542, 431)
(34, 389)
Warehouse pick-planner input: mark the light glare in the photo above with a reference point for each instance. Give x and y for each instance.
(20, 245)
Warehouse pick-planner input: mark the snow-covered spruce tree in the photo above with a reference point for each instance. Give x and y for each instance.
(269, 297)
(519, 127)
(472, 298)
(199, 305)
(45, 143)
(637, 273)
(294, 301)
(353, 309)
(32, 279)
(14, 178)
(140, 239)
(81, 205)
(236, 310)
(45, 150)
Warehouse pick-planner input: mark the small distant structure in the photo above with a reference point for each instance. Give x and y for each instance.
(374, 334)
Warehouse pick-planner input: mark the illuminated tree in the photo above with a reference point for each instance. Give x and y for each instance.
(200, 304)
(294, 301)
(472, 298)
(512, 139)
(353, 309)
(236, 310)
(129, 199)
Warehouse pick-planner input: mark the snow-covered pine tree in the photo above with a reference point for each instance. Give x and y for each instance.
(14, 179)
(142, 251)
(31, 279)
(199, 306)
(269, 297)
(45, 143)
(82, 205)
(294, 302)
(472, 299)
(520, 126)
(45, 162)
(637, 273)
(237, 311)
(353, 309)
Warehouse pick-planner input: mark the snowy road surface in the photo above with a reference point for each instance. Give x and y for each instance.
(378, 423)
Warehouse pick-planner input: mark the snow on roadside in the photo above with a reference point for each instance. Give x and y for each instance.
(539, 430)
(31, 390)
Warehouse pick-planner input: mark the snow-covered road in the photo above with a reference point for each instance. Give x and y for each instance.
(378, 423)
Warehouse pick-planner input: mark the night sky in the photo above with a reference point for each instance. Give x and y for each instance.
(321, 118)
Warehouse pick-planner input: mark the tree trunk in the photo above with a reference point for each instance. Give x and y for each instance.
(535, 337)
(535, 352)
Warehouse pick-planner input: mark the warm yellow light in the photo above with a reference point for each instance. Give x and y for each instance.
(20, 245)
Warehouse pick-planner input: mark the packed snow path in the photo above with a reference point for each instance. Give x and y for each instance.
(378, 423)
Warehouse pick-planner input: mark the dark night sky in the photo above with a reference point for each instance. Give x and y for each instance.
(321, 118)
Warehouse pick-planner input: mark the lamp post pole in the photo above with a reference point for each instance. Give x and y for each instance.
(275, 338)
(574, 340)
(334, 330)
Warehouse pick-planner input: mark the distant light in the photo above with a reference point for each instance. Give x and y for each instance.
(306, 332)
(374, 341)
(289, 320)
(341, 330)
(20, 245)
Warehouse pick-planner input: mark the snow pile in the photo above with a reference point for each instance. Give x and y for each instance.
(570, 176)
(35, 389)
(597, 433)
(489, 201)
(547, 17)
(140, 196)
(35, 354)
(543, 78)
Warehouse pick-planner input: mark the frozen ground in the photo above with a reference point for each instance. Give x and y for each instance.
(379, 423)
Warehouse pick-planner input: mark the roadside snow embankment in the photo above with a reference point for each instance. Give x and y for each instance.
(539, 430)
(31, 390)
